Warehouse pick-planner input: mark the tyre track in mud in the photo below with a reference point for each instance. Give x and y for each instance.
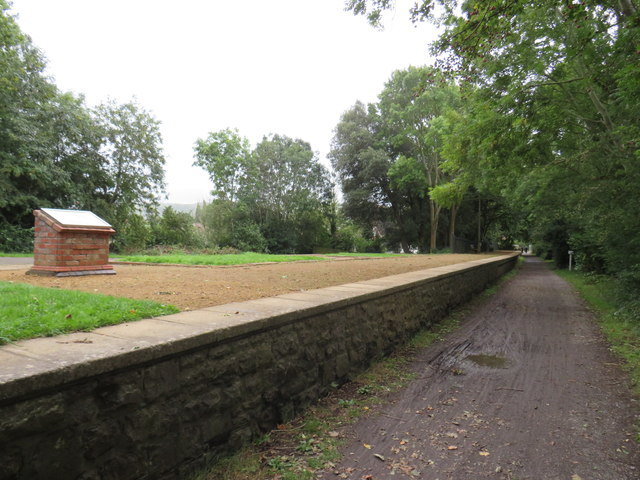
(526, 389)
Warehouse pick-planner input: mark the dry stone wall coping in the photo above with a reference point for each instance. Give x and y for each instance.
(41, 364)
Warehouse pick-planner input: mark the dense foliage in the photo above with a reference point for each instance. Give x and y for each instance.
(57, 152)
(275, 198)
(396, 181)
(551, 96)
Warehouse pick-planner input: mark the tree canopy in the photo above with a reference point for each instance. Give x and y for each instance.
(57, 152)
(551, 94)
(273, 198)
(388, 157)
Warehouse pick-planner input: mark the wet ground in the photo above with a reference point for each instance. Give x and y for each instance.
(525, 390)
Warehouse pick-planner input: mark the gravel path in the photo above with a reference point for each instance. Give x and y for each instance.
(526, 389)
(15, 261)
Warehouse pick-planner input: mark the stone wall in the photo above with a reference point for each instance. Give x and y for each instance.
(156, 409)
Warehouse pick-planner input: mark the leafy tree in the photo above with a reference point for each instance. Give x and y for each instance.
(217, 218)
(225, 155)
(553, 125)
(173, 228)
(287, 188)
(133, 234)
(133, 161)
(273, 198)
(55, 152)
(16, 239)
(450, 195)
(75, 140)
(411, 105)
(285, 175)
(247, 237)
(361, 162)
(26, 171)
(388, 156)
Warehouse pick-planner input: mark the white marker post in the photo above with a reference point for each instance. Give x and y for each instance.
(570, 258)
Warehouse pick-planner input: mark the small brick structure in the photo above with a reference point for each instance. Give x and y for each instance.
(70, 242)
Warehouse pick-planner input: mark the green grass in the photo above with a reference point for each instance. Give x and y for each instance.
(620, 324)
(27, 311)
(375, 255)
(201, 259)
(241, 258)
(5, 254)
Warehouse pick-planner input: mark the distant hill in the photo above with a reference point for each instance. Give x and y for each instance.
(180, 207)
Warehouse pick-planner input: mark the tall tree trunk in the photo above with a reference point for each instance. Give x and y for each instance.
(405, 244)
(452, 228)
(434, 214)
(594, 96)
(479, 246)
(397, 218)
(627, 7)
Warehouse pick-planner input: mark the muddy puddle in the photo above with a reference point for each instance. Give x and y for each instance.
(489, 361)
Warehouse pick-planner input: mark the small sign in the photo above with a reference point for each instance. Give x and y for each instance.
(75, 218)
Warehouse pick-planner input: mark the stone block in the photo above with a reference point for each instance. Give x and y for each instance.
(160, 379)
(215, 428)
(32, 417)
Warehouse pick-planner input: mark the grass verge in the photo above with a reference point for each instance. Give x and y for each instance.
(311, 443)
(225, 259)
(4, 254)
(242, 258)
(27, 311)
(620, 325)
(374, 255)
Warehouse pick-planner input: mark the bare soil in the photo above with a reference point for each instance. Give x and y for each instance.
(193, 287)
(526, 389)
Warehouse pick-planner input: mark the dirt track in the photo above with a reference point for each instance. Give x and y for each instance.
(525, 390)
(190, 288)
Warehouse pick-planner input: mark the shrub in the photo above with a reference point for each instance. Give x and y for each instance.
(247, 237)
(133, 234)
(16, 239)
(174, 228)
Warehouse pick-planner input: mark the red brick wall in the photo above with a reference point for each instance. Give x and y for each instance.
(61, 249)
(83, 249)
(46, 244)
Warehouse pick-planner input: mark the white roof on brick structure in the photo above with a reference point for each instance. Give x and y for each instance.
(75, 218)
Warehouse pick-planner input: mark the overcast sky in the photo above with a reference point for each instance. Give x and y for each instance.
(290, 67)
